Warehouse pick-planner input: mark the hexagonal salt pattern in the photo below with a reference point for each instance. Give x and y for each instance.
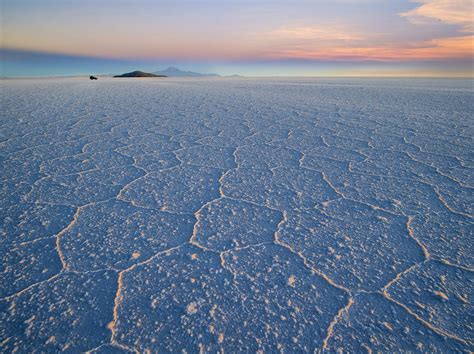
(225, 215)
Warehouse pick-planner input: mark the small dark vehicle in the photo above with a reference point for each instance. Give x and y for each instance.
(92, 77)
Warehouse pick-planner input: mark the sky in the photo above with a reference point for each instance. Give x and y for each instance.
(247, 37)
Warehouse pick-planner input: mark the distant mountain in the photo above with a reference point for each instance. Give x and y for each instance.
(139, 74)
(175, 72)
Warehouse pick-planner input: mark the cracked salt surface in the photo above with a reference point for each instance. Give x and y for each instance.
(292, 215)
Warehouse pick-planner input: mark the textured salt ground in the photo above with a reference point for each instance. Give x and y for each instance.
(287, 215)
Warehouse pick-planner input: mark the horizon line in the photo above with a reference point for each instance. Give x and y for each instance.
(237, 76)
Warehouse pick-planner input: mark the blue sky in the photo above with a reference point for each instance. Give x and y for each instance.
(260, 37)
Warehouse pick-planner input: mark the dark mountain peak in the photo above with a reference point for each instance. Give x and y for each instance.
(138, 73)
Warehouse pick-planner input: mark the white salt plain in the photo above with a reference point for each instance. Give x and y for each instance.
(292, 215)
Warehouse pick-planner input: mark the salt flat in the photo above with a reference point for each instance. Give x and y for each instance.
(291, 215)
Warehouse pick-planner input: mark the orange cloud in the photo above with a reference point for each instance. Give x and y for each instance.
(458, 12)
(338, 43)
(445, 48)
(315, 34)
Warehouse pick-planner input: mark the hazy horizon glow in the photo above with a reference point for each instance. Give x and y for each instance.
(336, 36)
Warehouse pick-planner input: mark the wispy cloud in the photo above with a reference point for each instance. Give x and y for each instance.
(435, 49)
(457, 12)
(322, 33)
